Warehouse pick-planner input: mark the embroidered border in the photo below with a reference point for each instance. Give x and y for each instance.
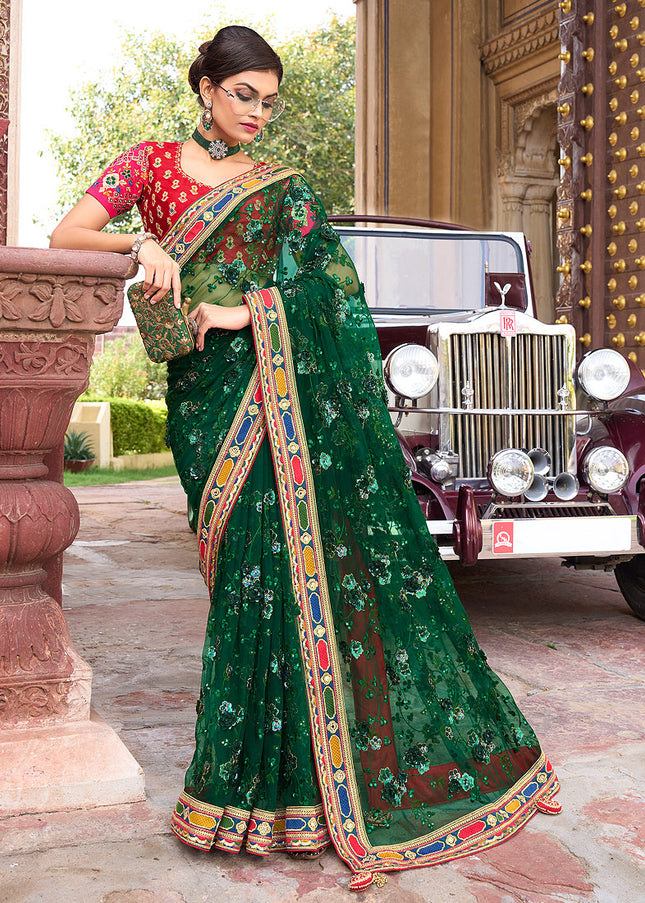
(232, 466)
(203, 826)
(205, 215)
(485, 827)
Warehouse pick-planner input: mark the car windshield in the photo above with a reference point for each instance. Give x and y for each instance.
(418, 271)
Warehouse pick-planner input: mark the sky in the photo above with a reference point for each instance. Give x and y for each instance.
(66, 42)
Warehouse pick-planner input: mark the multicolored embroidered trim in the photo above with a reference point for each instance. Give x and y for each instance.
(232, 466)
(206, 214)
(259, 832)
(332, 750)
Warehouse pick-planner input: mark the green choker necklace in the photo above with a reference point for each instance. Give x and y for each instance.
(218, 149)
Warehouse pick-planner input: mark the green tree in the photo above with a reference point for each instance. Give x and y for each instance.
(124, 370)
(147, 97)
(315, 134)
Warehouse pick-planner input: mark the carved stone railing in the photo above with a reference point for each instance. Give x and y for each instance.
(52, 303)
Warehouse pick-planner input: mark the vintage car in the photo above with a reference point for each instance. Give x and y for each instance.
(516, 449)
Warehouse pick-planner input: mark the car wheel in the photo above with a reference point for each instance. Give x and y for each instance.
(630, 576)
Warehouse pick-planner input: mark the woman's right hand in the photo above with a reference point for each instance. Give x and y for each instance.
(161, 273)
(82, 229)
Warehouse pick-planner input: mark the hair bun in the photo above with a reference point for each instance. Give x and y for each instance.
(235, 48)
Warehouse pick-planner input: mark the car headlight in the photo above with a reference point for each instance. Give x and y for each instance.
(511, 472)
(411, 371)
(604, 374)
(606, 469)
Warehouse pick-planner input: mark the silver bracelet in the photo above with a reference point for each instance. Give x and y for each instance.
(139, 240)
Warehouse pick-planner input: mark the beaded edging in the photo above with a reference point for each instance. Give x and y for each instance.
(226, 480)
(490, 824)
(205, 216)
(295, 828)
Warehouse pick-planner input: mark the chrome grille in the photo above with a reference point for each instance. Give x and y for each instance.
(525, 371)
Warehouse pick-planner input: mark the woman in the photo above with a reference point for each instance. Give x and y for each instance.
(344, 698)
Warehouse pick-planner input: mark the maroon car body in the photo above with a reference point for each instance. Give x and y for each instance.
(456, 307)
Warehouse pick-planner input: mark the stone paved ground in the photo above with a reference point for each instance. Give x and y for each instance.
(564, 642)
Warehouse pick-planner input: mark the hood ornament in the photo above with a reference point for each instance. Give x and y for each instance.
(564, 395)
(503, 291)
(467, 394)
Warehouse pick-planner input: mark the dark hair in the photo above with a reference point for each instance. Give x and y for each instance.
(234, 49)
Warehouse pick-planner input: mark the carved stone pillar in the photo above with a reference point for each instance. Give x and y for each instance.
(51, 305)
(5, 26)
(10, 62)
(512, 193)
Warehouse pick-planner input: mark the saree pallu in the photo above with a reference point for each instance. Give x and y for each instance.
(344, 697)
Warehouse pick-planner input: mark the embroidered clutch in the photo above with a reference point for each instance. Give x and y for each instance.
(166, 331)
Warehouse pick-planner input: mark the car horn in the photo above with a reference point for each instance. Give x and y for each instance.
(565, 485)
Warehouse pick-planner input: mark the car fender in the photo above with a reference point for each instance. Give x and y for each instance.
(626, 430)
(420, 483)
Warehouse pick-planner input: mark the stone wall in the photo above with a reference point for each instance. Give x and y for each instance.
(456, 117)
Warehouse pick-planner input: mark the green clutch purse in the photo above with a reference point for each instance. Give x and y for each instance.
(165, 330)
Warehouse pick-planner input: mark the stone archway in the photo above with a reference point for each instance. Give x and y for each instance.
(527, 181)
(475, 141)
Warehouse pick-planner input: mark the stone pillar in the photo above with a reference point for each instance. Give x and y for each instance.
(512, 192)
(5, 43)
(421, 120)
(10, 26)
(371, 83)
(55, 754)
(539, 229)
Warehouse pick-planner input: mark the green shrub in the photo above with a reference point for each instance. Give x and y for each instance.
(124, 370)
(138, 427)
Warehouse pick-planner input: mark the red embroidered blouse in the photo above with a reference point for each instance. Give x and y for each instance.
(150, 176)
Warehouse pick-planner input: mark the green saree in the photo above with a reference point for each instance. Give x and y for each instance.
(344, 698)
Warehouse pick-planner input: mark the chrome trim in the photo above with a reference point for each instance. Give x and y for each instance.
(395, 409)
(437, 527)
(448, 553)
(518, 510)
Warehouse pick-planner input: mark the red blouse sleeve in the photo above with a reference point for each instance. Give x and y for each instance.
(121, 185)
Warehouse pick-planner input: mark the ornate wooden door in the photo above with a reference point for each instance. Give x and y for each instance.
(601, 202)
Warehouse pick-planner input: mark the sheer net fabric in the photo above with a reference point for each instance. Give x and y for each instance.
(435, 735)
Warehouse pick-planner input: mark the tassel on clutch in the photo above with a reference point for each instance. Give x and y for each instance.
(165, 330)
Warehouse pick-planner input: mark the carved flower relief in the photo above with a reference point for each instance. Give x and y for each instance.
(18, 704)
(59, 301)
(564, 189)
(567, 132)
(34, 641)
(565, 240)
(36, 358)
(8, 292)
(107, 294)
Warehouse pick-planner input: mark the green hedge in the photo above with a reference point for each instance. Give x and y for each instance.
(138, 427)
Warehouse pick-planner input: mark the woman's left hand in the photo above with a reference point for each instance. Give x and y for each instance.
(213, 316)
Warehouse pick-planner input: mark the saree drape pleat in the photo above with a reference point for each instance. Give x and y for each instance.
(344, 696)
